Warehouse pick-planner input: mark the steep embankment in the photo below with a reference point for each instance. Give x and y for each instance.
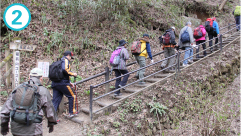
(201, 101)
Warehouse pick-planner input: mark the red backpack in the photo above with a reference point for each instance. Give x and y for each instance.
(136, 48)
(167, 38)
(197, 33)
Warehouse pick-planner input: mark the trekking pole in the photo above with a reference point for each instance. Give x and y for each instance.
(76, 95)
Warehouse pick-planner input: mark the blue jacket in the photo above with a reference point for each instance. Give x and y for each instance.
(148, 49)
(66, 71)
(215, 27)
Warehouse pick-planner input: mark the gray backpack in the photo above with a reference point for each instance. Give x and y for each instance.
(26, 104)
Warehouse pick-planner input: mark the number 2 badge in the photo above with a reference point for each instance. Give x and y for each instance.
(17, 16)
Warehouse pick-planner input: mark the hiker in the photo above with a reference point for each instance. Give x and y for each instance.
(121, 67)
(236, 14)
(213, 33)
(200, 39)
(141, 59)
(185, 42)
(169, 43)
(64, 87)
(16, 107)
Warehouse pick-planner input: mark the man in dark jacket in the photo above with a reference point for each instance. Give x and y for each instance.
(64, 86)
(47, 109)
(169, 49)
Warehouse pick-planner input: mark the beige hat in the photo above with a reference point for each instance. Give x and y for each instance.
(173, 27)
(36, 72)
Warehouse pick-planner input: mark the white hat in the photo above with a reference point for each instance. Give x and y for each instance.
(36, 72)
(173, 27)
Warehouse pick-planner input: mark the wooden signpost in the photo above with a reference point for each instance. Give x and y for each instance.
(16, 46)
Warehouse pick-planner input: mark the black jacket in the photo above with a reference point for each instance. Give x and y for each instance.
(66, 71)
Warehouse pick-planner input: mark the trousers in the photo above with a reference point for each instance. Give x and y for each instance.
(59, 91)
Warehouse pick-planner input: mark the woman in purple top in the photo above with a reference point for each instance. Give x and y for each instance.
(121, 68)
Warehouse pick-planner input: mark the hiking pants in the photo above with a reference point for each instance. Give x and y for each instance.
(119, 81)
(168, 51)
(204, 47)
(212, 35)
(141, 60)
(237, 19)
(58, 92)
(188, 54)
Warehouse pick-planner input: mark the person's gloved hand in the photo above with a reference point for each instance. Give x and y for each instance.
(4, 129)
(152, 61)
(51, 128)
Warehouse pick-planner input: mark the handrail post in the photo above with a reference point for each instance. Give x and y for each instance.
(221, 41)
(107, 77)
(228, 26)
(7, 52)
(178, 61)
(91, 102)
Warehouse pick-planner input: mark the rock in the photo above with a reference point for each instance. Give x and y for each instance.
(173, 126)
(154, 130)
(158, 127)
(167, 125)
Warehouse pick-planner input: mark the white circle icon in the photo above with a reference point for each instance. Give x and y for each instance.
(17, 16)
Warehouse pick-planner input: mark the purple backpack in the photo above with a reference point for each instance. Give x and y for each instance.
(115, 57)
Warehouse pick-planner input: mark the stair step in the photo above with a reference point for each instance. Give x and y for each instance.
(141, 85)
(162, 75)
(152, 80)
(101, 103)
(196, 59)
(130, 90)
(116, 97)
(85, 110)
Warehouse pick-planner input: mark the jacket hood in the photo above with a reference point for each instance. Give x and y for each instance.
(144, 39)
(35, 80)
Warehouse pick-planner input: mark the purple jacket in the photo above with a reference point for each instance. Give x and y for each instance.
(204, 33)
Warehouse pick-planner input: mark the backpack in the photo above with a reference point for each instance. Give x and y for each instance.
(209, 25)
(197, 33)
(55, 71)
(237, 11)
(185, 36)
(136, 48)
(26, 104)
(167, 38)
(115, 57)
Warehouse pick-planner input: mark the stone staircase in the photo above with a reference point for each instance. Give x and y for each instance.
(159, 78)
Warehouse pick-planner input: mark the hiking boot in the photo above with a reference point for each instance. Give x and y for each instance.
(119, 94)
(137, 77)
(58, 121)
(190, 61)
(122, 87)
(184, 65)
(71, 115)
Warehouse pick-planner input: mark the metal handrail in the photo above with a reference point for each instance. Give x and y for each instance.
(129, 74)
(103, 73)
(177, 63)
